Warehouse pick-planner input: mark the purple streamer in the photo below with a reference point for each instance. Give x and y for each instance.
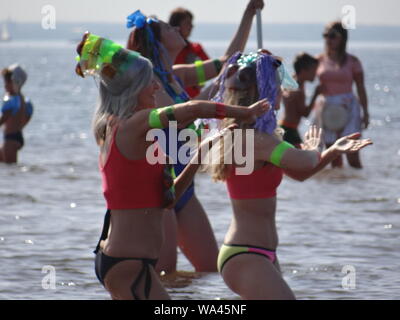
(267, 89)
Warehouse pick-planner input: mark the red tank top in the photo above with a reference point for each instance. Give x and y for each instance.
(259, 184)
(131, 184)
(191, 53)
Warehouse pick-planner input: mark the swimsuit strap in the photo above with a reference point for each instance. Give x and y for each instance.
(145, 272)
(104, 233)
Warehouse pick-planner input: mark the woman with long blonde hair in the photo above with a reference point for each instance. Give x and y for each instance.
(248, 260)
(136, 190)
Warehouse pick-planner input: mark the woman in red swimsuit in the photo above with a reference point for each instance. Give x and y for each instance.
(187, 226)
(247, 261)
(136, 191)
(183, 19)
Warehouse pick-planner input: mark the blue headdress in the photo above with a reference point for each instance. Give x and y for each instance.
(140, 21)
(270, 74)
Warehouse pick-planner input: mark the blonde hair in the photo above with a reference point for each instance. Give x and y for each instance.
(224, 147)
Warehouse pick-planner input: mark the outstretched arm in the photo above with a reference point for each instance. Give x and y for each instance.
(347, 144)
(193, 75)
(282, 154)
(188, 112)
(239, 41)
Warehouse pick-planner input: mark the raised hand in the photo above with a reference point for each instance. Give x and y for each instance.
(256, 110)
(313, 139)
(254, 5)
(351, 143)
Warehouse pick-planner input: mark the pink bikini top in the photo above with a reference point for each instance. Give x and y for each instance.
(338, 80)
(259, 184)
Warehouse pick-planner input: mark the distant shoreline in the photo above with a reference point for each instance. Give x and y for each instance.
(209, 31)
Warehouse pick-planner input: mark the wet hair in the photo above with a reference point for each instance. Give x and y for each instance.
(178, 15)
(304, 61)
(336, 26)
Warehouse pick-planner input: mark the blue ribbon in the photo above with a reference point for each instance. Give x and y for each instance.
(139, 20)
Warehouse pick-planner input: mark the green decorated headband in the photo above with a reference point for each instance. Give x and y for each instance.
(105, 57)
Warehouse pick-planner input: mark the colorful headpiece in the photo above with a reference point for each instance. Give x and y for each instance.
(140, 21)
(267, 71)
(109, 60)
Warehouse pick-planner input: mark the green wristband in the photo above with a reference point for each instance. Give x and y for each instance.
(173, 176)
(154, 119)
(218, 65)
(201, 75)
(170, 113)
(279, 151)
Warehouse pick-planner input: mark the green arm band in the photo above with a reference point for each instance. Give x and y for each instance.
(173, 175)
(218, 65)
(170, 113)
(155, 120)
(279, 151)
(201, 75)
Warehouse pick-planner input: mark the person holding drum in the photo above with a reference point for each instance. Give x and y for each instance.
(338, 111)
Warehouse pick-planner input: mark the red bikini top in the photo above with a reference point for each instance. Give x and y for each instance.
(259, 184)
(131, 184)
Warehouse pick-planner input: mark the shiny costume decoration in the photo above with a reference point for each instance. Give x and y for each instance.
(269, 73)
(140, 21)
(115, 65)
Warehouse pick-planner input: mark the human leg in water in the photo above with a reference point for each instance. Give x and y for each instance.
(129, 278)
(196, 238)
(168, 255)
(354, 160)
(255, 277)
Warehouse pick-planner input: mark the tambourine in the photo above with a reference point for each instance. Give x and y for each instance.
(335, 117)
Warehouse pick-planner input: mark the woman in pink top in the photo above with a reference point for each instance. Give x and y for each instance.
(337, 72)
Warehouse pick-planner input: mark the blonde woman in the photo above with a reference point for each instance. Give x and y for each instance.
(136, 191)
(248, 260)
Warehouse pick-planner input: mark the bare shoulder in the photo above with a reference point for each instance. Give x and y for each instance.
(264, 140)
(353, 58)
(320, 56)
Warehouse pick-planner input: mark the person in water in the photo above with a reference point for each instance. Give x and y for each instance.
(248, 260)
(16, 112)
(188, 225)
(183, 19)
(136, 191)
(337, 72)
(305, 67)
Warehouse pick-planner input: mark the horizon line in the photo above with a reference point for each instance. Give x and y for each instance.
(2, 21)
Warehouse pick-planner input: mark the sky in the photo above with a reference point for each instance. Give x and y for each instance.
(373, 12)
